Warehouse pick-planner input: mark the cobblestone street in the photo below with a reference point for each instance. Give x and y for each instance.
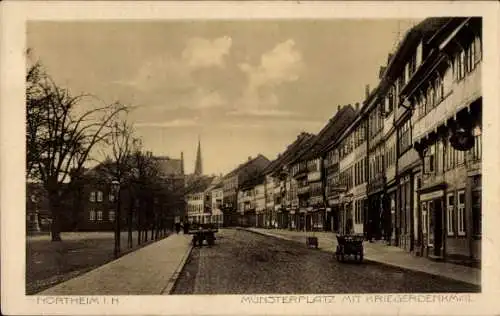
(242, 263)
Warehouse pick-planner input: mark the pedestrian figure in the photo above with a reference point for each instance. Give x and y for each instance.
(186, 228)
(177, 227)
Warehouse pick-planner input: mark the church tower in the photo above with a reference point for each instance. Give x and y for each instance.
(198, 168)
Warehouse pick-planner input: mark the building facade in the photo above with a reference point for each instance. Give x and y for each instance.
(447, 102)
(217, 196)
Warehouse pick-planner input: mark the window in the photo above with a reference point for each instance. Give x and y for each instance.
(431, 98)
(111, 216)
(461, 213)
(449, 157)
(92, 196)
(405, 137)
(401, 81)
(476, 213)
(439, 90)
(460, 66)
(390, 101)
(450, 204)
(477, 50)
(412, 65)
(99, 196)
(92, 215)
(429, 161)
(358, 211)
(459, 156)
(99, 216)
(475, 152)
(111, 197)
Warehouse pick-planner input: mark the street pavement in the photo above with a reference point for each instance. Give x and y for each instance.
(382, 253)
(243, 262)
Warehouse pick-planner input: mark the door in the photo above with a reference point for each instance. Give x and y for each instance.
(438, 227)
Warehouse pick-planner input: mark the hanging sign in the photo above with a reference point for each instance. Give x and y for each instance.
(462, 139)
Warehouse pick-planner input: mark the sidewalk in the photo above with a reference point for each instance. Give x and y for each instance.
(151, 270)
(384, 254)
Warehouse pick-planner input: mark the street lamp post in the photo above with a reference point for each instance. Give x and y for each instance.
(116, 189)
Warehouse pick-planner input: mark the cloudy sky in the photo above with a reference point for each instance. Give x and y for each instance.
(243, 87)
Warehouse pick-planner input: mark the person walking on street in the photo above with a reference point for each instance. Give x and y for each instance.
(186, 228)
(177, 227)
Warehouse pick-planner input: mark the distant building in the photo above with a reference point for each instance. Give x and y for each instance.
(95, 202)
(199, 200)
(217, 195)
(232, 183)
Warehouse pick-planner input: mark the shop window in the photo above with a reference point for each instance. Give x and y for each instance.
(461, 213)
(92, 215)
(449, 214)
(476, 213)
(431, 223)
(111, 216)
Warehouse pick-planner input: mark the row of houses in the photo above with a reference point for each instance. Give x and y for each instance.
(403, 166)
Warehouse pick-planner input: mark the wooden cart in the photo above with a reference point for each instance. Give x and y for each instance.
(349, 245)
(202, 232)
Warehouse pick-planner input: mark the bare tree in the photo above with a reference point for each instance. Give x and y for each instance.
(61, 136)
(146, 178)
(121, 144)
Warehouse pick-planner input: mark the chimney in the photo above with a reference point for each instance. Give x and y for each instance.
(357, 106)
(367, 91)
(182, 162)
(249, 158)
(339, 107)
(381, 72)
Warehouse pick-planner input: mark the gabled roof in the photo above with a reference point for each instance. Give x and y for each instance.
(329, 134)
(246, 164)
(300, 144)
(169, 166)
(333, 129)
(198, 184)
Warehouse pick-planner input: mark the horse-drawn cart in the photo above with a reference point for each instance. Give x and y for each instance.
(349, 245)
(203, 232)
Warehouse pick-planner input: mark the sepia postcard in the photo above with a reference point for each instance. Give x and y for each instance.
(267, 158)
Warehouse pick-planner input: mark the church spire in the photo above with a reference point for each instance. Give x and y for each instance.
(198, 169)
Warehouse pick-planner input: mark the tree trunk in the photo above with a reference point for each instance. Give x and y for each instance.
(55, 209)
(130, 223)
(139, 231)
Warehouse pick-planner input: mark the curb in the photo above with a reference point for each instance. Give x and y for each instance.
(394, 266)
(167, 290)
(367, 259)
(265, 234)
